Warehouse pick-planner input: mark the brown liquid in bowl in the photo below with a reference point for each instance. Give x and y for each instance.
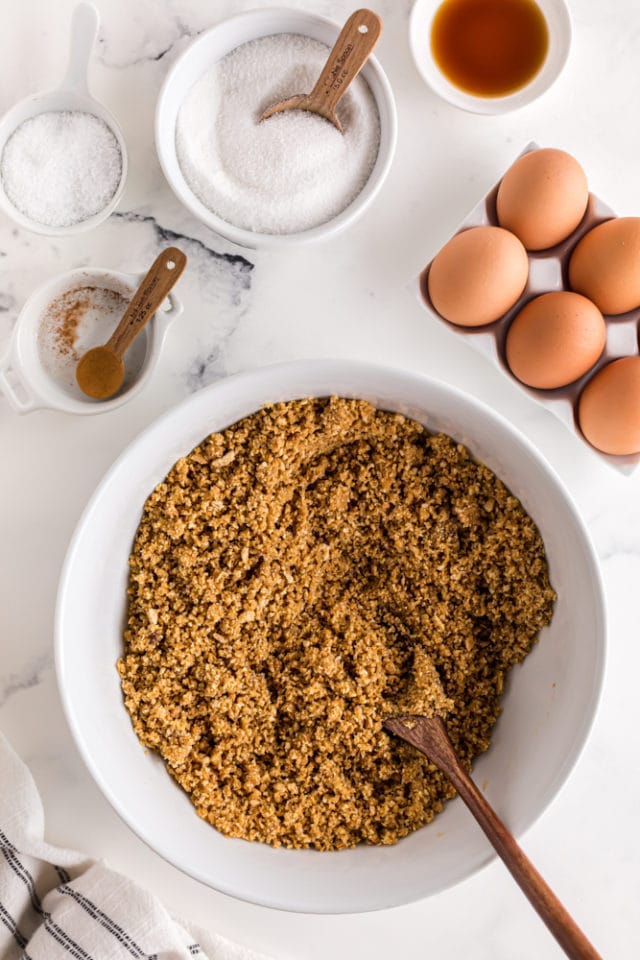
(489, 48)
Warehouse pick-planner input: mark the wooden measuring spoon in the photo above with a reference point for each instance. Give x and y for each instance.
(351, 51)
(100, 371)
(430, 737)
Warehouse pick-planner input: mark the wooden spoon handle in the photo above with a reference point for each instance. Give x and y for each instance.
(159, 280)
(351, 50)
(560, 923)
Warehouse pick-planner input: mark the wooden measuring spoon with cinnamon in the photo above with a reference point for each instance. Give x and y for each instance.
(350, 52)
(429, 736)
(100, 371)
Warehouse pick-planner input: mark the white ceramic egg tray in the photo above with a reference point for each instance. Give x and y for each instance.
(547, 272)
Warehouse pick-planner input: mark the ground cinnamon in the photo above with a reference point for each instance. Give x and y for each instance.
(64, 315)
(74, 322)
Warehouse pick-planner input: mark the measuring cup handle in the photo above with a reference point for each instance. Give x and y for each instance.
(9, 379)
(84, 29)
(174, 307)
(169, 310)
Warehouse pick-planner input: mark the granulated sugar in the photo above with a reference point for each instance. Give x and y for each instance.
(60, 168)
(285, 174)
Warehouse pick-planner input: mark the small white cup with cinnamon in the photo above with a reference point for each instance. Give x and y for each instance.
(62, 319)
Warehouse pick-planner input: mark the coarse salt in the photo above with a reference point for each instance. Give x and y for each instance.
(61, 167)
(286, 174)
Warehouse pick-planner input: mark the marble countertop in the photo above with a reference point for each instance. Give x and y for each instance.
(352, 298)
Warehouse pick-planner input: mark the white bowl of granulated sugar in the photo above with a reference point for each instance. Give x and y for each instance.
(290, 179)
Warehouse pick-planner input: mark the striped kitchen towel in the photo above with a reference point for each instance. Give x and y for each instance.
(56, 904)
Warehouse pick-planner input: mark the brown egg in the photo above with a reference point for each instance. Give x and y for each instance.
(555, 339)
(477, 276)
(605, 265)
(609, 407)
(542, 198)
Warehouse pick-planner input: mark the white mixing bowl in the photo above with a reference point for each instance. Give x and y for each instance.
(549, 703)
(211, 47)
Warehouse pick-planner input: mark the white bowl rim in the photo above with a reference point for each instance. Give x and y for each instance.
(347, 367)
(249, 238)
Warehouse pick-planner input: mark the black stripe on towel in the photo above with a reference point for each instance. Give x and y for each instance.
(62, 873)
(22, 873)
(12, 926)
(105, 921)
(65, 941)
(49, 923)
(108, 923)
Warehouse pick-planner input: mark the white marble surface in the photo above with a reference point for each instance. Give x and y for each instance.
(351, 299)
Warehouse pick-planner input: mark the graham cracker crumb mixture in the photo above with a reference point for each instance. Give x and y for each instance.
(298, 577)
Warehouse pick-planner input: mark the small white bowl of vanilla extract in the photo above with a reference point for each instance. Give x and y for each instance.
(490, 56)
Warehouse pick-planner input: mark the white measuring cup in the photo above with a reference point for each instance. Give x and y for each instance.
(73, 95)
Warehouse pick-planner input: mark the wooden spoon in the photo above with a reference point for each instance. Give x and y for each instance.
(429, 736)
(100, 371)
(351, 50)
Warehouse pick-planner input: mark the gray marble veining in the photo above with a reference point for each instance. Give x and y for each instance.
(29, 676)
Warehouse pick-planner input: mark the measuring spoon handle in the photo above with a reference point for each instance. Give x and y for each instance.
(165, 270)
(351, 51)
